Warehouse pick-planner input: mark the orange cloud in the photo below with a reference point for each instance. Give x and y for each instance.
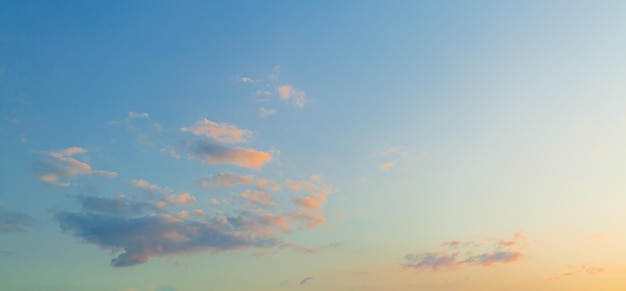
(220, 132)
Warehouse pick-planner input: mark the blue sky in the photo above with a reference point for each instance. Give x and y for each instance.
(329, 145)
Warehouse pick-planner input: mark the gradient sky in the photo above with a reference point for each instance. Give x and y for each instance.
(312, 145)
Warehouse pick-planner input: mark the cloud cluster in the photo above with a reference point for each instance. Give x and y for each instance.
(13, 221)
(165, 224)
(60, 166)
(501, 252)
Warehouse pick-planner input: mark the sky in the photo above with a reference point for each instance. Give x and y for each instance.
(312, 145)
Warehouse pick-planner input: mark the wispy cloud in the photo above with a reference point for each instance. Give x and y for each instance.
(305, 280)
(291, 94)
(225, 180)
(502, 252)
(583, 269)
(265, 112)
(132, 114)
(14, 221)
(220, 132)
(60, 166)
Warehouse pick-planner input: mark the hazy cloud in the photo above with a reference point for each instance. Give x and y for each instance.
(14, 221)
(225, 180)
(386, 166)
(265, 112)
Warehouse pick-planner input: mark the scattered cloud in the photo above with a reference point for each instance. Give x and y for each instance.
(501, 252)
(583, 269)
(305, 280)
(247, 80)
(14, 221)
(220, 132)
(386, 166)
(61, 165)
(265, 112)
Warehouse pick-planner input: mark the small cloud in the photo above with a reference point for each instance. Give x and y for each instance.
(305, 280)
(247, 80)
(264, 112)
(288, 92)
(386, 166)
(138, 115)
(244, 157)
(220, 132)
(145, 185)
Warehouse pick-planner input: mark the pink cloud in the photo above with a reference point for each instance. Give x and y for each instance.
(386, 166)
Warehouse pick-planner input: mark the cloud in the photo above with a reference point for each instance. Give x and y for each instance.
(247, 80)
(141, 237)
(579, 270)
(386, 166)
(61, 165)
(257, 198)
(265, 112)
(117, 205)
(13, 221)
(289, 93)
(170, 151)
(215, 154)
(145, 185)
(182, 199)
(225, 180)
(502, 252)
(220, 132)
(138, 115)
(305, 280)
